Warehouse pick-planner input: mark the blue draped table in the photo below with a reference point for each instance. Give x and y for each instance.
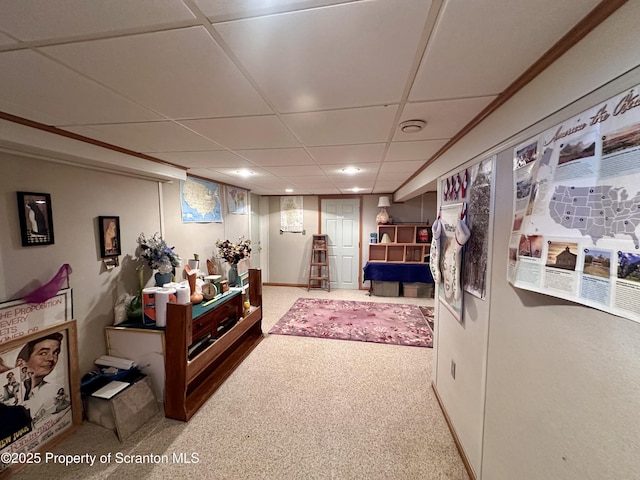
(398, 272)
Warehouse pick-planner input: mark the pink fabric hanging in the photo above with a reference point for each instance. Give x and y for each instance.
(48, 290)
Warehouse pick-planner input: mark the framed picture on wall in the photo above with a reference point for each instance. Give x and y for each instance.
(41, 402)
(36, 219)
(109, 228)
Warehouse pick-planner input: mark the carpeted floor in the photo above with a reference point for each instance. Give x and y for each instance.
(313, 410)
(390, 323)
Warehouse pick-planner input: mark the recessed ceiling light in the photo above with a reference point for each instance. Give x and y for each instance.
(412, 126)
(356, 189)
(289, 190)
(244, 173)
(350, 170)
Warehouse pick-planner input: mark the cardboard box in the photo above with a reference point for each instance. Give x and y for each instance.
(417, 290)
(126, 411)
(386, 289)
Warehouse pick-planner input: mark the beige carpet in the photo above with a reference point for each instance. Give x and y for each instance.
(296, 408)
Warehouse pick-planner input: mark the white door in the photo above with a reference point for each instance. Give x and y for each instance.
(340, 220)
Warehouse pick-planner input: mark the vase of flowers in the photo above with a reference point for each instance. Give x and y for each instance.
(159, 256)
(232, 253)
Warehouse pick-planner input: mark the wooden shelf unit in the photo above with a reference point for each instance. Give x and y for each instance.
(191, 381)
(404, 247)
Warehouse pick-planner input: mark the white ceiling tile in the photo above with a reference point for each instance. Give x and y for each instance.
(343, 127)
(219, 10)
(421, 150)
(354, 54)
(147, 137)
(245, 132)
(40, 89)
(206, 159)
(348, 154)
(444, 118)
(211, 174)
(312, 181)
(296, 171)
(5, 40)
(500, 39)
(258, 173)
(364, 169)
(178, 73)
(33, 20)
(408, 166)
(277, 157)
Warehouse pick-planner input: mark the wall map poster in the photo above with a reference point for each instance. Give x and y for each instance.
(577, 209)
(200, 201)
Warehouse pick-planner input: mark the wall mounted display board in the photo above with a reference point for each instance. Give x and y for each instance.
(576, 209)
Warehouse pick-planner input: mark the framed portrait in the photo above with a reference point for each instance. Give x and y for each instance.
(36, 219)
(40, 387)
(109, 236)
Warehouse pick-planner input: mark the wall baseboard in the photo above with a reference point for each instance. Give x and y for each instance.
(463, 455)
(275, 284)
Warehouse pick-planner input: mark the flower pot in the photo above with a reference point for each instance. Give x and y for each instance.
(233, 275)
(194, 264)
(162, 278)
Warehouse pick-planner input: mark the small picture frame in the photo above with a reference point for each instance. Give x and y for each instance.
(36, 219)
(109, 228)
(423, 234)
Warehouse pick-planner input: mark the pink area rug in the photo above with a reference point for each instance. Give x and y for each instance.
(392, 323)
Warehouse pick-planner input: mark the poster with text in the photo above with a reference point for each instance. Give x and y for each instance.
(19, 318)
(575, 235)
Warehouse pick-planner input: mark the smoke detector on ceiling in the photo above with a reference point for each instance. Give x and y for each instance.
(412, 126)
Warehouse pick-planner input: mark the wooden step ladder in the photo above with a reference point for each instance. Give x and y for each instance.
(319, 265)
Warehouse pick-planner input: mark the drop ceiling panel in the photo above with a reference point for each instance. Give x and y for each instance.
(444, 118)
(312, 181)
(364, 169)
(245, 132)
(178, 73)
(343, 127)
(207, 159)
(277, 157)
(348, 154)
(500, 39)
(32, 20)
(407, 166)
(421, 150)
(40, 89)
(218, 10)
(5, 40)
(295, 171)
(354, 54)
(147, 137)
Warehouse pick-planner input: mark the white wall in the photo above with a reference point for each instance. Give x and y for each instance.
(561, 388)
(289, 253)
(78, 197)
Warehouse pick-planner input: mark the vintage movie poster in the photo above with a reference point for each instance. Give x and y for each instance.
(18, 318)
(575, 233)
(35, 393)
